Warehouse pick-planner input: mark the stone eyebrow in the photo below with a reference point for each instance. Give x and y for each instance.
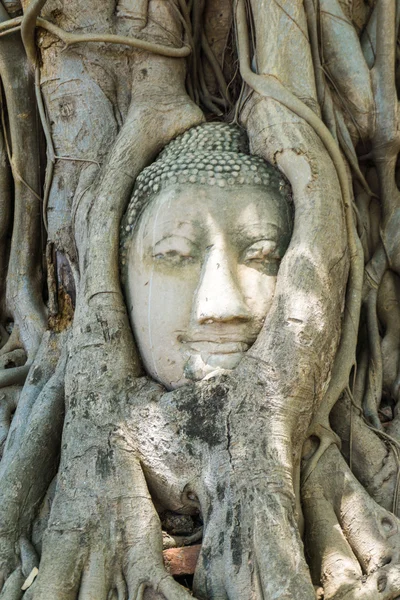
(173, 235)
(259, 231)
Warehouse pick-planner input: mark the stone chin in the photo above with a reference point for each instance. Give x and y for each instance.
(200, 365)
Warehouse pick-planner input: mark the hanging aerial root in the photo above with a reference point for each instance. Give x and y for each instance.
(347, 68)
(50, 151)
(6, 214)
(270, 87)
(373, 392)
(70, 39)
(219, 76)
(24, 281)
(385, 147)
(28, 26)
(323, 92)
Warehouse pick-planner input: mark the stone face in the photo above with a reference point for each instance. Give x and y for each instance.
(181, 561)
(200, 253)
(201, 278)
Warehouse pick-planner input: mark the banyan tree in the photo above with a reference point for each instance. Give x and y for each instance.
(199, 298)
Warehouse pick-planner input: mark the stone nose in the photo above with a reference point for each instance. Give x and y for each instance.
(219, 297)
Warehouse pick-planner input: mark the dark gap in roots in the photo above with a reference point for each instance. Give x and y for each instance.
(185, 580)
(386, 408)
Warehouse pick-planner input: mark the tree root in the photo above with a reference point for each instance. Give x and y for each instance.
(373, 393)
(28, 26)
(29, 557)
(137, 11)
(101, 318)
(373, 457)
(348, 535)
(72, 559)
(347, 68)
(26, 472)
(177, 541)
(24, 286)
(388, 308)
(14, 376)
(42, 370)
(15, 358)
(8, 403)
(5, 221)
(13, 342)
(12, 587)
(271, 88)
(70, 39)
(75, 564)
(4, 336)
(326, 437)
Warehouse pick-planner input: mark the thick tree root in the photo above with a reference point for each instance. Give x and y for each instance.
(12, 588)
(95, 548)
(14, 376)
(373, 458)
(353, 543)
(39, 375)
(25, 473)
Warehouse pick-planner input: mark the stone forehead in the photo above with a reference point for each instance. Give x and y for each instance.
(212, 154)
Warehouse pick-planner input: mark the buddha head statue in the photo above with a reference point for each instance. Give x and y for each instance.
(201, 242)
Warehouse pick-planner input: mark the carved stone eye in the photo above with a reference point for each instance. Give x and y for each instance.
(174, 257)
(175, 250)
(261, 251)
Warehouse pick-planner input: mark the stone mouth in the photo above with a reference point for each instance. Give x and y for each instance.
(217, 347)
